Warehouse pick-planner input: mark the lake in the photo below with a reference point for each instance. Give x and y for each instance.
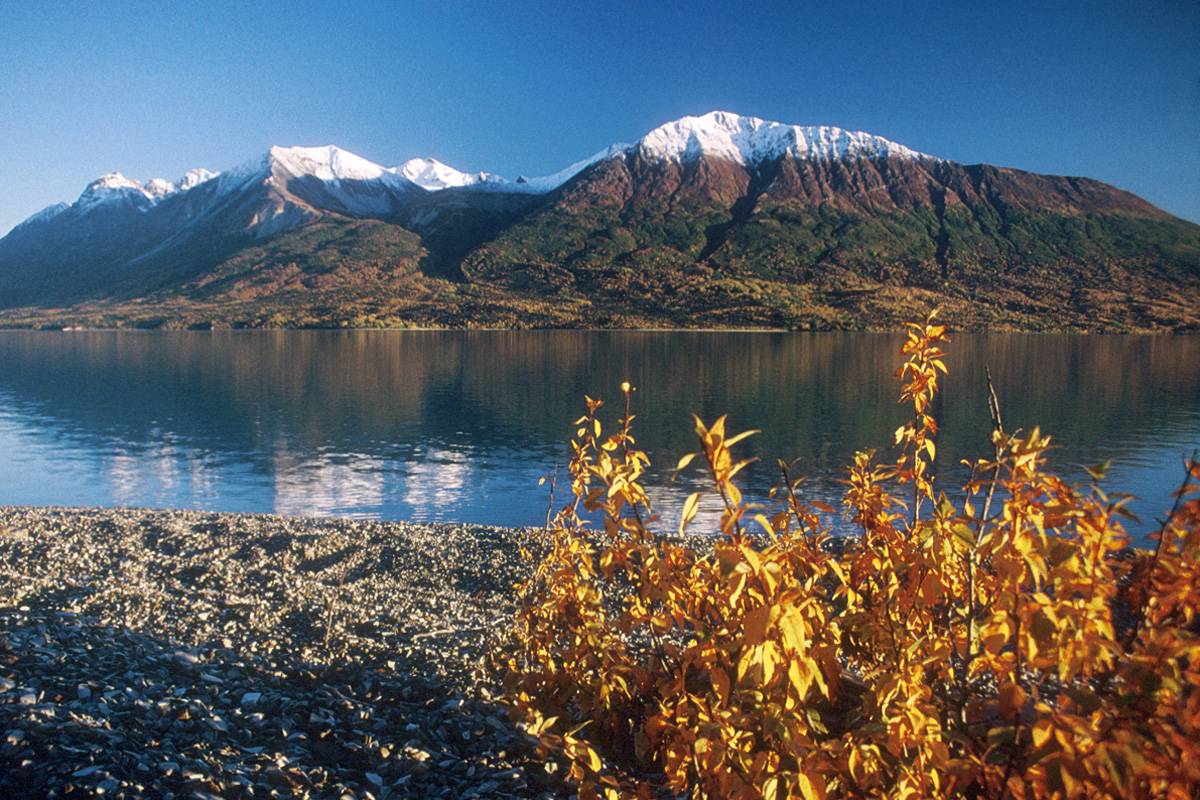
(459, 426)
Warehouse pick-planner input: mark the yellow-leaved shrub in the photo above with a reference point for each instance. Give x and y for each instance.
(1009, 645)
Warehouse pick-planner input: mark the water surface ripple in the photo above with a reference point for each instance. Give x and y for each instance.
(460, 425)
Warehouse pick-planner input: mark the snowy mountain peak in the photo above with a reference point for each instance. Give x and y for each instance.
(114, 185)
(159, 188)
(110, 182)
(745, 140)
(328, 163)
(431, 174)
(750, 140)
(194, 177)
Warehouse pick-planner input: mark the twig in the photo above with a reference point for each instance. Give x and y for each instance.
(1162, 534)
(993, 402)
(550, 505)
(625, 451)
(794, 505)
(1017, 669)
(445, 631)
(330, 606)
(997, 428)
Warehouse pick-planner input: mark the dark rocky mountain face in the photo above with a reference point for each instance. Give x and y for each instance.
(751, 244)
(632, 240)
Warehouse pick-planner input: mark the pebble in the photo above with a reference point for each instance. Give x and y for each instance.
(192, 654)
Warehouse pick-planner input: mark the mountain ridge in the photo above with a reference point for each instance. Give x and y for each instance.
(714, 220)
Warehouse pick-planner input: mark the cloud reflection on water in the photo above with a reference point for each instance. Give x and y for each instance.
(344, 485)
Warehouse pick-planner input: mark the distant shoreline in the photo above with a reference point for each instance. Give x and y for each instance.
(1184, 331)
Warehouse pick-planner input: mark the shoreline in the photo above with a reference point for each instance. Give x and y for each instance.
(881, 330)
(149, 652)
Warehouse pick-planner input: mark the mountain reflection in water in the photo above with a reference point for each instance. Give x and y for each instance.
(460, 425)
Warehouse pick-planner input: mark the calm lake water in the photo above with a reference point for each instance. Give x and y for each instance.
(460, 425)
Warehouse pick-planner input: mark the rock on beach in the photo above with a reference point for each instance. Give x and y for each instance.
(190, 654)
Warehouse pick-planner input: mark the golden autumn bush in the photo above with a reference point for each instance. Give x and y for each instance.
(1010, 645)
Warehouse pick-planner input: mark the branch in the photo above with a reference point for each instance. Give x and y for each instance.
(1143, 607)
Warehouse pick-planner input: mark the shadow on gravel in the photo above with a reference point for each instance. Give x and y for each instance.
(99, 709)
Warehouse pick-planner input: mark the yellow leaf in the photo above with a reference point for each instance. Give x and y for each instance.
(808, 789)
(1069, 781)
(730, 442)
(752, 558)
(767, 526)
(770, 657)
(690, 507)
(800, 676)
(746, 661)
(683, 462)
(1042, 731)
(791, 625)
(721, 685)
(738, 467)
(594, 763)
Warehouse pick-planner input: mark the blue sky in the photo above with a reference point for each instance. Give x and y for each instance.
(1110, 91)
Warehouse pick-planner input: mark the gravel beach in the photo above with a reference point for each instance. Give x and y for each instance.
(191, 654)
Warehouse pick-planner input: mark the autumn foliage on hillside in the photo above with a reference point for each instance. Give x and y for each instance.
(1008, 645)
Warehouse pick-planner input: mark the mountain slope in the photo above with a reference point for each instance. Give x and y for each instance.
(712, 220)
(797, 237)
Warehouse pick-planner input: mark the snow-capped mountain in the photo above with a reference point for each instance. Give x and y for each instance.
(431, 174)
(327, 163)
(750, 140)
(115, 187)
(739, 139)
(193, 178)
(718, 194)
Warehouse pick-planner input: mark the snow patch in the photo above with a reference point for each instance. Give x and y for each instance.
(328, 163)
(47, 213)
(114, 186)
(750, 140)
(431, 174)
(159, 188)
(549, 183)
(195, 177)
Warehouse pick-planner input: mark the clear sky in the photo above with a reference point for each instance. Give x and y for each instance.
(1110, 91)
